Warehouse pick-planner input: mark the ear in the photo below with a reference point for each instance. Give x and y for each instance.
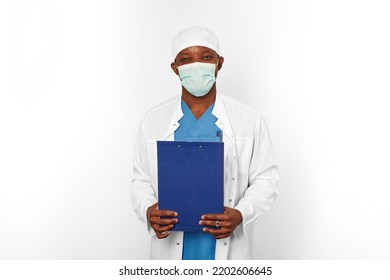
(174, 68)
(221, 60)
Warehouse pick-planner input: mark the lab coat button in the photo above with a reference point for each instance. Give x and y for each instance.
(225, 243)
(233, 178)
(177, 243)
(230, 200)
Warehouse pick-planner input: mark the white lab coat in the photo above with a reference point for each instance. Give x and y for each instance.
(250, 172)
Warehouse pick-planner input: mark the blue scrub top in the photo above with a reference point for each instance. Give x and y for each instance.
(198, 245)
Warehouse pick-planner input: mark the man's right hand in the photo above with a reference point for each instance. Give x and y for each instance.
(160, 226)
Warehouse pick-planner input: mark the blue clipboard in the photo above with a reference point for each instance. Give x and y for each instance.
(190, 180)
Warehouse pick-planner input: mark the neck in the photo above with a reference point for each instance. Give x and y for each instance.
(198, 105)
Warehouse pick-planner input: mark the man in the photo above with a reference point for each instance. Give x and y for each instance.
(202, 114)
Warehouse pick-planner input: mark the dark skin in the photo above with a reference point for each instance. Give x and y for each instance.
(198, 105)
(231, 217)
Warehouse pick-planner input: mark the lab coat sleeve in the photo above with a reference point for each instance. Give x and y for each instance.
(263, 176)
(142, 192)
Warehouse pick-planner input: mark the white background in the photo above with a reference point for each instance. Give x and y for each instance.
(77, 76)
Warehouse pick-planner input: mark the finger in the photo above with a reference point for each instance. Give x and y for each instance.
(219, 217)
(158, 220)
(165, 213)
(216, 231)
(162, 235)
(222, 235)
(212, 223)
(160, 228)
(219, 234)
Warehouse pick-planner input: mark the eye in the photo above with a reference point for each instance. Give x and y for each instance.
(207, 57)
(184, 59)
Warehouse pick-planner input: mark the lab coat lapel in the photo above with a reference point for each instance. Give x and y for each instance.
(174, 120)
(223, 121)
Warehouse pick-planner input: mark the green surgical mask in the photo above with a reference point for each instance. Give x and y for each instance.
(197, 77)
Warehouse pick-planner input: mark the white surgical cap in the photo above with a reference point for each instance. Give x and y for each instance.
(194, 36)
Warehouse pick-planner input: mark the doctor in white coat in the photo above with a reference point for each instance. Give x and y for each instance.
(251, 174)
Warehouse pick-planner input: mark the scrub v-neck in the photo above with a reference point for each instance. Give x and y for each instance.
(198, 245)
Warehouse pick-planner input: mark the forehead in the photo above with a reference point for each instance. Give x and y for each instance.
(196, 50)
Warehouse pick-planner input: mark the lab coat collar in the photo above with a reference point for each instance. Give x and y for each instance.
(218, 111)
(176, 116)
(223, 120)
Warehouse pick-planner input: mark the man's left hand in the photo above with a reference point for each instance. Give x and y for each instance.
(224, 223)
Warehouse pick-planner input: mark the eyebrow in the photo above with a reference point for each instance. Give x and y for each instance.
(205, 51)
(210, 51)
